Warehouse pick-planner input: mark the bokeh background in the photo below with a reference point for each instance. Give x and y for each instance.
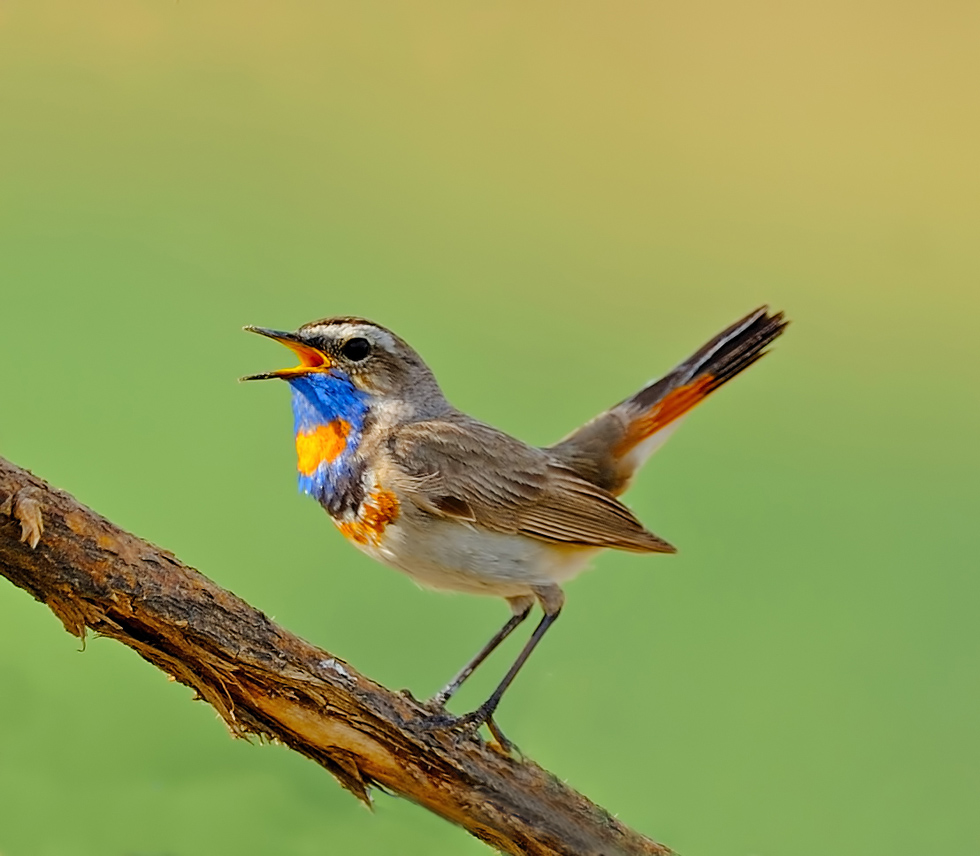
(554, 202)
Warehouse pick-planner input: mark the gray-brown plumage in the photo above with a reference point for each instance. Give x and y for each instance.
(458, 504)
(520, 490)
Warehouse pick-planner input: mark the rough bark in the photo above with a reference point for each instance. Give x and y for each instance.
(265, 681)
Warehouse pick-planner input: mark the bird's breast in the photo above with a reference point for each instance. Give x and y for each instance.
(321, 445)
(329, 421)
(453, 556)
(366, 524)
(330, 468)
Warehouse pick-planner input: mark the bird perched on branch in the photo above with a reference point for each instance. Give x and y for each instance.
(460, 505)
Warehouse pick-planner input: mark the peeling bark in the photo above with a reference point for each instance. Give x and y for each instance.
(263, 680)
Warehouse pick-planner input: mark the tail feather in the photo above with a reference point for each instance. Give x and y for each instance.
(732, 351)
(610, 448)
(728, 353)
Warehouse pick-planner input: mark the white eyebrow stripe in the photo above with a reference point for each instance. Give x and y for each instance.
(373, 334)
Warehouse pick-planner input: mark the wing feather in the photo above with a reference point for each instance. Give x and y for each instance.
(471, 471)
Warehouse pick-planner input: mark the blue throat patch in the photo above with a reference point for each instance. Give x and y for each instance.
(324, 402)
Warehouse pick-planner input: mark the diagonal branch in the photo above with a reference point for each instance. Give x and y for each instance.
(264, 680)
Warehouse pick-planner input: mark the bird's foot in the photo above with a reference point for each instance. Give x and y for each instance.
(445, 723)
(464, 726)
(506, 746)
(483, 715)
(476, 718)
(441, 721)
(437, 703)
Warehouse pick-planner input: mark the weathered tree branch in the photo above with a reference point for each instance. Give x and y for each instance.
(266, 681)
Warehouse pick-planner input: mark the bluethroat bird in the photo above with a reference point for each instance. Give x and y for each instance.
(457, 504)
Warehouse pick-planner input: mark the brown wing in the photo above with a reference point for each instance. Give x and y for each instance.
(468, 470)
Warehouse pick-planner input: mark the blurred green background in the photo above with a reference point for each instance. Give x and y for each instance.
(553, 202)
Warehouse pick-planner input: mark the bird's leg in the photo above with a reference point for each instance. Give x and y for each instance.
(551, 599)
(521, 607)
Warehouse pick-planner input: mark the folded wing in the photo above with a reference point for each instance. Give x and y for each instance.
(463, 469)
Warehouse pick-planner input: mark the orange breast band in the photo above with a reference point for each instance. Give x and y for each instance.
(323, 444)
(380, 509)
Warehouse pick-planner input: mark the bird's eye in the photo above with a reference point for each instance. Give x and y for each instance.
(356, 349)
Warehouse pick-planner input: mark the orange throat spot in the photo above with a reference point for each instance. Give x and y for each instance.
(380, 509)
(321, 445)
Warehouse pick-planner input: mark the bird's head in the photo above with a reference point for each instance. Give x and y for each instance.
(361, 355)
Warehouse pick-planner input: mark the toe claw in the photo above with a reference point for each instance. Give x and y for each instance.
(506, 746)
(467, 725)
(440, 721)
(437, 702)
(475, 718)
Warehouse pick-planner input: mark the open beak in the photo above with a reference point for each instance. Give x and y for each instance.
(311, 360)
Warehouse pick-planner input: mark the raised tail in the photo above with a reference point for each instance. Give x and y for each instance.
(612, 447)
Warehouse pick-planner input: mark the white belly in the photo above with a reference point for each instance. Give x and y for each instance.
(444, 554)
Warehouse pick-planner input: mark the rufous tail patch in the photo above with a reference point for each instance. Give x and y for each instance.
(672, 406)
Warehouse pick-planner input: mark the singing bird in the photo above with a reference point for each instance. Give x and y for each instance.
(460, 505)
